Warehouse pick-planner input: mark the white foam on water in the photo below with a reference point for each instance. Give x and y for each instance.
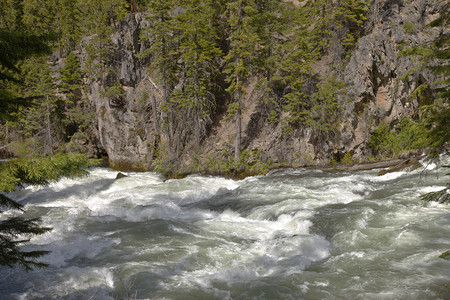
(388, 176)
(84, 282)
(262, 259)
(271, 248)
(262, 237)
(78, 246)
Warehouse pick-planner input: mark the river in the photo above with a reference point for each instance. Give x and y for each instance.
(292, 234)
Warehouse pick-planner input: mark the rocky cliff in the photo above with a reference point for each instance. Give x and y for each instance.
(377, 90)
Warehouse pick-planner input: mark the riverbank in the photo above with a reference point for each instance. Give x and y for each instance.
(245, 167)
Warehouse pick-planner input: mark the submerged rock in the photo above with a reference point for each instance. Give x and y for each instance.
(120, 175)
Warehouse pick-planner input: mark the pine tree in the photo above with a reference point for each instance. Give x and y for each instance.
(436, 57)
(435, 117)
(269, 25)
(16, 46)
(71, 77)
(101, 19)
(199, 54)
(40, 122)
(243, 42)
(351, 15)
(323, 115)
(17, 231)
(297, 71)
(323, 14)
(62, 17)
(163, 53)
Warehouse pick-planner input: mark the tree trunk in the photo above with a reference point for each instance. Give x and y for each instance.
(49, 141)
(59, 31)
(196, 107)
(167, 114)
(155, 116)
(238, 125)
(237, 142)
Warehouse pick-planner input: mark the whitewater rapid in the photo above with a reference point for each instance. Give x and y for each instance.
(292, 234)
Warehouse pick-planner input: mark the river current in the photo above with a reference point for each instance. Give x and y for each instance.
(292, 234)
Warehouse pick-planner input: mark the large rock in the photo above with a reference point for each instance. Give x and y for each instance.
(121, 104)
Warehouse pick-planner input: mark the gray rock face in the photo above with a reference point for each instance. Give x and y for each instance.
(127, 121)
(377, 91)
(124, 126)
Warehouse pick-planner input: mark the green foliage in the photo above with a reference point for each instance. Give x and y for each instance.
(113, 92)
(197, 54)
(71, 77)
(351, 15)
(333, 162)
(243, 42)
(324, 13)
(273, 117)
(16, 46)
(16, 231)
(409, 28)
(249, 163)
(163, 54)
(319, 110)
(41, 171)
(50, 119)
(445, 255)
(12, 231)
(347, 160)
(223, 163)
(408, 135)
(325, 110)
(435, 115)
(24, 148)
(435, 118)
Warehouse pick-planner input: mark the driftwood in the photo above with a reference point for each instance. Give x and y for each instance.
(394, 165)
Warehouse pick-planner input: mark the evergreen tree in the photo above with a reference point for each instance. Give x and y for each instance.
(243, 42)
(269, 25)
(163, 54)
(16, 46)
(436, 115)
(323, 14)
(61, 17)
(350, 15)
(272, 26)
(39, 122)
(199, 54)
(17, 231)
(71, 78)
(297, 71)
(324, 112)
(101, 18)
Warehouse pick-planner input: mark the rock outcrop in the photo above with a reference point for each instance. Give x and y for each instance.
(377, 88)
(124, 117)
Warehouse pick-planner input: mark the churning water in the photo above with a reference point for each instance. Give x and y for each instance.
(293, 234)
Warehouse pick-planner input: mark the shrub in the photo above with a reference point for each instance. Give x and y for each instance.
(407, 135)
